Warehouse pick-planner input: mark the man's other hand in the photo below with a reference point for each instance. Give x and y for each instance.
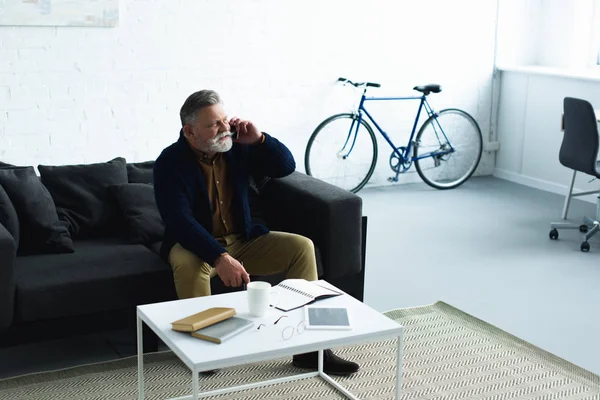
(231, 272)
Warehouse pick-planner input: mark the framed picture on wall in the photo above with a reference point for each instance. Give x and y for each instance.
(59, 12)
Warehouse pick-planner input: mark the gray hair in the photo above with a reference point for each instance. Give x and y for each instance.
(195, 102)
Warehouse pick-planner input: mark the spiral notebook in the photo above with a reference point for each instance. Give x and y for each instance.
(295, 293)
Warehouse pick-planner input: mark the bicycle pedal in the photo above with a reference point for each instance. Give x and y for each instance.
(392, 179)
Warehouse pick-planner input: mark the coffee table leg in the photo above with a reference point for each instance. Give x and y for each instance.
(195, 378)
(140, 354)
(320, 361)
(399, 365)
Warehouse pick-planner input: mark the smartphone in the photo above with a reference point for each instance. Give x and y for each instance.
(235, 133)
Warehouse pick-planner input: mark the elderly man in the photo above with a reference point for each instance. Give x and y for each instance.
(201, 187)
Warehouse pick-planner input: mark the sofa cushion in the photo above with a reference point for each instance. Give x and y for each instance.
(8, 216)
(39, 226)
(82, 198)
(258, 213)
(139, 209)
(154, 247)
(319, 262)
(102, 275)
(141, 172)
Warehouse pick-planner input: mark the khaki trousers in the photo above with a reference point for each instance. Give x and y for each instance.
(271, 253)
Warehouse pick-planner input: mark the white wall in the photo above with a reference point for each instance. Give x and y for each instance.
(74, 95)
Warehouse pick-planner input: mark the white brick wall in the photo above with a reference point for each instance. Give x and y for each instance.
(74, 95)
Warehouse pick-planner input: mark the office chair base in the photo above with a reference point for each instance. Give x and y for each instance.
(594, 225)
(585, 247)
(589, 228)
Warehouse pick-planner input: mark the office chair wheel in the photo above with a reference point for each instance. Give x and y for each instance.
(585, 247)
(553, 234)
(583, 228)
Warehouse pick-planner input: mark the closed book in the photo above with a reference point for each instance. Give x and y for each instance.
(202, 319)
(223, 330)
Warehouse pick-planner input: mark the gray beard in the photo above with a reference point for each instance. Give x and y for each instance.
(221, 147)
(218, 147)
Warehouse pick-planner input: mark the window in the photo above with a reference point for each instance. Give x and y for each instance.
(595, 51)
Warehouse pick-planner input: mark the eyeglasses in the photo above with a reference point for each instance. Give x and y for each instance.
(289, 330)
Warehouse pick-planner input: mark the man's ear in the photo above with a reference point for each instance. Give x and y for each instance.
(188, 132)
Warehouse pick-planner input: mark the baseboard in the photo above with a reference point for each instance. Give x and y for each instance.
(539, 184)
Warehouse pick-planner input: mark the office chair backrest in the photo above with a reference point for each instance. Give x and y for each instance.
(579, 148)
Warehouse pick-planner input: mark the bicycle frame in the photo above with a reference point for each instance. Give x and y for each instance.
(409, 147)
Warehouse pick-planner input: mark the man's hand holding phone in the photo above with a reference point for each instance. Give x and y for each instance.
(231, 271)
(244, 132)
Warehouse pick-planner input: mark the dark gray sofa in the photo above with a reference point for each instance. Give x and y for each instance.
(98, 286)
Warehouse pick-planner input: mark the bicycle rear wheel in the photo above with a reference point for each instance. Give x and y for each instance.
(448, 149)
(336, 153)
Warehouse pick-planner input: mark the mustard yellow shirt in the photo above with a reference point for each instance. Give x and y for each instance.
(220, 195)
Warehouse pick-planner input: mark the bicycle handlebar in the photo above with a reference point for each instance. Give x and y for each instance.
(357, 84)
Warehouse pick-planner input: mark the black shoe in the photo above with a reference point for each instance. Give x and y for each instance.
(332, 364)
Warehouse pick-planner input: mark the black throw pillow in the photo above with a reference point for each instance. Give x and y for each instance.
(141, 172)
(82, 198)
(138, 207)
(8, 216)
(40, 229)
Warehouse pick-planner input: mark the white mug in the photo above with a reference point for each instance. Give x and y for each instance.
(259, 296)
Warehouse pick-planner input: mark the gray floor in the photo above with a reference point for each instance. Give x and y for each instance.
(483, 248)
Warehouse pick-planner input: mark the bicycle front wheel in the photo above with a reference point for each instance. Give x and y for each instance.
(340, 154)
(448, 149)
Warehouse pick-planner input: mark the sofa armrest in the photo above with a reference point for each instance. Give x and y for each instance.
(328, 215)
(8, 252)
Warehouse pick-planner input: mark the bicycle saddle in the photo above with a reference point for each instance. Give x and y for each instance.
(426, 89)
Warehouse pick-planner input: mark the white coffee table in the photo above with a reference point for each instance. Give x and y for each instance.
(259, 345)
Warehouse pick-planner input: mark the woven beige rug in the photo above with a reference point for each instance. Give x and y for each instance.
(447, 355)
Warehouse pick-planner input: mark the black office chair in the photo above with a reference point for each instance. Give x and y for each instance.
(579, 151)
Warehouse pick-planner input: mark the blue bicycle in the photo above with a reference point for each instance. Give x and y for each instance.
(446, 151)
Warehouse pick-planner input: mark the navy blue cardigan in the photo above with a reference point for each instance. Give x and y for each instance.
(182, 197)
